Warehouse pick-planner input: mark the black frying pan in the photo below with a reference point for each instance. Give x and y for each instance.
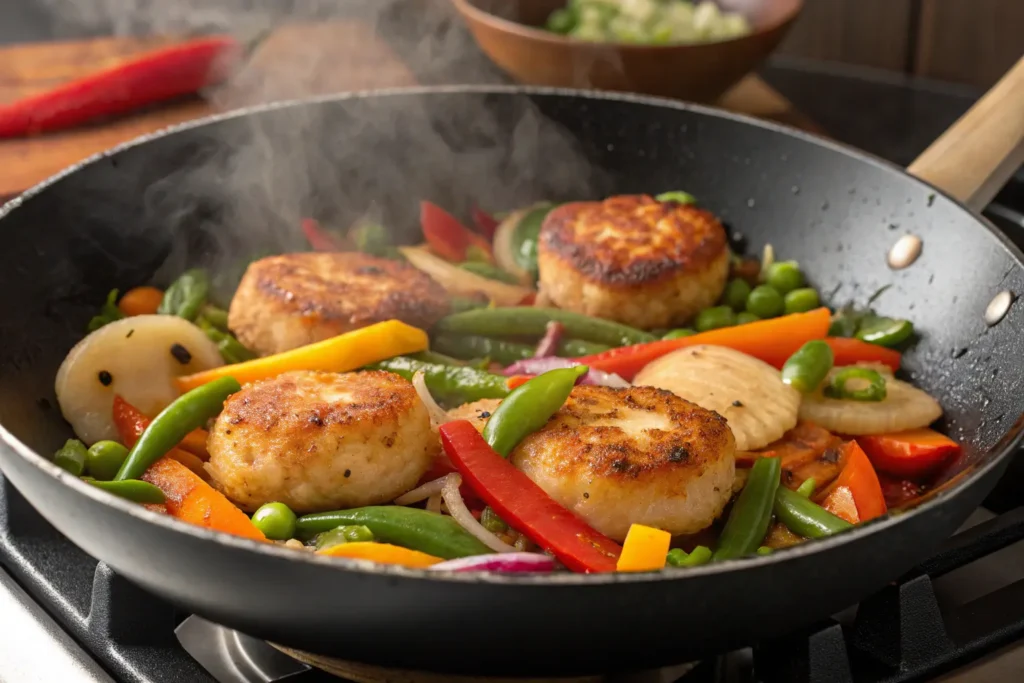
(217, 191)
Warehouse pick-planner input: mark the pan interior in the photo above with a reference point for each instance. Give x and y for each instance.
(219, 194)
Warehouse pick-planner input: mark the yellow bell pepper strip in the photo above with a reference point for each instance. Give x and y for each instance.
(384, 553)
(338, 354)
(644, 550)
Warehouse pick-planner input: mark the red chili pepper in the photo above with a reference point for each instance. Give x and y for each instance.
(914, 453)
(485, 223)
(153, 77)
(447, 237)
(524, 505)
(850, 351)
(318, 238)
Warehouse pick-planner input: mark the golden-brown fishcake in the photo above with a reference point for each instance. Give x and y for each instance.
(291, 300)
(321, 441)
(633, 259)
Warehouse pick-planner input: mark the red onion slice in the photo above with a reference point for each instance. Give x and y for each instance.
(549, 343)
(506, 562)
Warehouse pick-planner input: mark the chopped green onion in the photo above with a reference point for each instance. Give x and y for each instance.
(873, 391)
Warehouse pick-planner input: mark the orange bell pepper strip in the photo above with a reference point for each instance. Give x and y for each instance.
(913, 453)
(860, 477)
(518, 380)
(851, 351)
(192, 500)
(384, 553)
(140, 301)
(773, 341)
(447, 237)
(645, 549)
(130, 423)
(840, 503)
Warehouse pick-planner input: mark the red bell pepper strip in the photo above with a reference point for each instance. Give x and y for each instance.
(152, 77)
(773, 341)
(524, 505)
(318, 238)
(860, 477)
(518, 380)
(131, 423)
(840, 502)
(485, 223)
(850, 351)
(447, 237)
(910, 454)
(899, 491)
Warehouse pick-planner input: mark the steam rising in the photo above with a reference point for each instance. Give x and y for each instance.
(248, 183)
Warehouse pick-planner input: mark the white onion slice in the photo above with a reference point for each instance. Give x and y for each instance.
(462, 515)
(437, 414)
(434, 502)
(508, 562)
(431, 488)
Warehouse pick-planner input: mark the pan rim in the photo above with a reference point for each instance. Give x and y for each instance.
(1003, 449)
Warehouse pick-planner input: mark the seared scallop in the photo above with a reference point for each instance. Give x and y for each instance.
(321, 441)
(635, 455)
(476, 412)
(291, 300)
(633, 259)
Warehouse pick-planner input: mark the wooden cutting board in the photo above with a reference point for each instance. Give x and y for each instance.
(313, 59)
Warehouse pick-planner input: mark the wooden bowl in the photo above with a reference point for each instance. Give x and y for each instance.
(510, 33)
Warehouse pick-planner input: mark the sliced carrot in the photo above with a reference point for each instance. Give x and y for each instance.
(130, 423)
(913, 453)
(850, 351)
(192, 500)
(773, 341)
(384, 553)
(338, 354)
(840, 503)
(195, 443)
(645, 549)
(140, 301)
(192, 462)
(862, 480)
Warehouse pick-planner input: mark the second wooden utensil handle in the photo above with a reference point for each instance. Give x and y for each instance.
(982, 150)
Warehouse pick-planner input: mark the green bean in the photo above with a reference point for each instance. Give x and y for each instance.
(806, 369)
(714, 318)
(275, 520)
(529, 407)
(130, 489)
(679, 333)
(186, 295)
(344, 534)
(231, 350)
(371, 238)
(473, 346)
(806, 488)
(744, 317)
(484, 269)
(104, 459)
(429, 532)
(885, 331)
(736, 293)
(677, 557)
(492, 522)
(801, 300)
(436, 358)
(532, 321)
(71, 457)
(109, 312)
(459, 304)
(804, 518)
(751, 513)
(784, 276)
(216, 316)
(450, 384)
(525, 237)
(874, 391)
(187, 412)
(677, 196)
(765, 301)
(573, 348)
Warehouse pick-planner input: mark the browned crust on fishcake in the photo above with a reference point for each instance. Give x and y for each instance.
(697, 436)
(651, 241)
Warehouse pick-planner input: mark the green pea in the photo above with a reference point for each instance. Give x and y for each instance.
(679, 334)
(765, 302)
(276, 521)
(714, 318)
(784, 276)
(71, 457)
(736, 293)
(492, 522)
(745, 317)
(801, 300)
(104, 459)
(352, 533)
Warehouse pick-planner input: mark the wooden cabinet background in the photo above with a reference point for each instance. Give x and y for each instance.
(965, 41)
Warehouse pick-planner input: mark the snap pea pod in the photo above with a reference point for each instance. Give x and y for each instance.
(428, 532)
(436, 358)
(473, 346)
(451, 384)
(803, 517)
(344, 534)
(186, 295)
(528, 407)
(752, 512)
(529, 320)
(677, 557)
(130, 489)
(189, 411)
(806, 369)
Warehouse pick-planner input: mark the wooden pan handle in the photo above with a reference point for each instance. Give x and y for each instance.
(982, 150)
